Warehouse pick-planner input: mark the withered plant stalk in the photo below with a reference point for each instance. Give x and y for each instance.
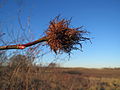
(59, 36)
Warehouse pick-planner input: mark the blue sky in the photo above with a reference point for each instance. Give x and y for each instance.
(100, 17)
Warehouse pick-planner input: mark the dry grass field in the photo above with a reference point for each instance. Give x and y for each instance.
(44, 78)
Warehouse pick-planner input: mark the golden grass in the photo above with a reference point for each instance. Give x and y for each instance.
(44, 78)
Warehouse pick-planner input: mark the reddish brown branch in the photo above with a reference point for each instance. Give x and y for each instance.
(23, 46)
(35, 42)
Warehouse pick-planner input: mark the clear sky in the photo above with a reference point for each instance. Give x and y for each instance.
(100, 17)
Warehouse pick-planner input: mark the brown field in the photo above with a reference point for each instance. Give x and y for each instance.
(44, 78)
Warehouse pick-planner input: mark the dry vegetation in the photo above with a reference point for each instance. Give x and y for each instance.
(17, 71)
(62, 38)
(59, 36)
(28, 77)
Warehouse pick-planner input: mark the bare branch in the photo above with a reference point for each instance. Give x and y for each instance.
(23, 46)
